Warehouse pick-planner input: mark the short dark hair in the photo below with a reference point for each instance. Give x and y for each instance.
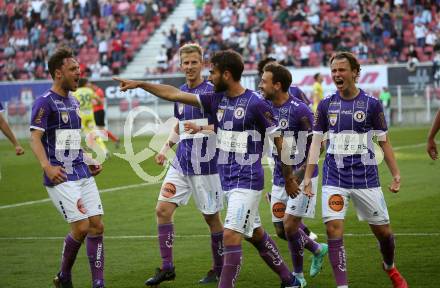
(279, 74)
(229, 60)
(354, 63)
(263, 63)
(316, 76)
(57, 59)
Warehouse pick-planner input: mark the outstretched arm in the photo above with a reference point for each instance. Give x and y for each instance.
(291, 186)
(166, 92)
(312, 161)
(431, 146)
(8, 133)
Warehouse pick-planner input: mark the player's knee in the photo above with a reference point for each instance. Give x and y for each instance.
(280, 230)
(80, 230)
(163, 212)
(212, 219)
(334, 229)
(96, 228)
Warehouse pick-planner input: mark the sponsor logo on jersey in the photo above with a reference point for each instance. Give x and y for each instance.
(65, 117)
(333, 118)
(39, 116)
(239, 113)
(359, 116)
(278, 209)
(336, 202)
(168, 190)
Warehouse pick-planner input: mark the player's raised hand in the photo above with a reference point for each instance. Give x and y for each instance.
(431, 148)
(19, 150)
(56, 174)
(160, 159)
(308, 191)
(395, 184)
(292, 187)
(95, 169)
(125, 84)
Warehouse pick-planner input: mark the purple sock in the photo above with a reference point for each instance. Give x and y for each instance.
(387, 249)
(95, 252)
(336, 253)
(303, 227)
(270, 254)
(296, 248)
(217, 252)
(309, 244)
(166, 239)
(231, 267)
(70, 250)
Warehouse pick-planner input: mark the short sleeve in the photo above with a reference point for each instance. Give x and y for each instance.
(208, 102)
(379, 123)
(264, 117)
(320, 123)
(305, 118)
(40, 114)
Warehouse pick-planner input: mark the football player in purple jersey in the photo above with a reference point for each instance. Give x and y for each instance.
(293, 91)
(294, 120)
(56, 143)
(241, 121)
(188, 174)
(350, 118)
(9, 134)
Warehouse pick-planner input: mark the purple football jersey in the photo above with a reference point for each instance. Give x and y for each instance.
(58, 117)
(241, 123)
(298, 94)
(294, 120)
(350, 161)
(194, 156)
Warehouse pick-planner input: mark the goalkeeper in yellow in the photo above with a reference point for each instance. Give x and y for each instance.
(87, 97)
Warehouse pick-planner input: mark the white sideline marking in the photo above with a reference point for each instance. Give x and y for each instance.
(206, 236)
(148, 184)
(100, 191)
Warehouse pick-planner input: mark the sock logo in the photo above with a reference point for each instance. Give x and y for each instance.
(98, 263)
(341, 256)
(169, 242)
(273, 253)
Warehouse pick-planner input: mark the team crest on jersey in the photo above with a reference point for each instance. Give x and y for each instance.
(283, 123)
(359, 116)
(243, 101)
(333, 118)
(65, 117)
(283, 110)
(360, 104)
(239, 113)
(220, 113)
(180, 107)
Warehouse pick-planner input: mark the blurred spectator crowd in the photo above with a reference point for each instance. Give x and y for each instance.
(306, 33)
(105, 34)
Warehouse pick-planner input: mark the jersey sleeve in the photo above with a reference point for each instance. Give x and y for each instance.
(320, 123)
(264, 117)
(305, 117)
(379, 123)
(176, 112)
(40, 114)
(1, 107)
(208, 102)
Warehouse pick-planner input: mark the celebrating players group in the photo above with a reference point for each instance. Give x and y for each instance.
(222, 133)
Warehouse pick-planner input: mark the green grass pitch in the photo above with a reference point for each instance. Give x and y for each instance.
(31, 235)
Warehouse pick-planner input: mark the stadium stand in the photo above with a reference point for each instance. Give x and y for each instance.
(306, 33)
(105, 34)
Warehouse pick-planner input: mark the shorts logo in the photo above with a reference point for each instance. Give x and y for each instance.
(180, 107)
(333, 118)
(359, 116)
(80, 206)
(278, 209)
(168, 190)
(239, 113)
(283, 123)
(220, 113)
(336, 202)
(65, 117)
